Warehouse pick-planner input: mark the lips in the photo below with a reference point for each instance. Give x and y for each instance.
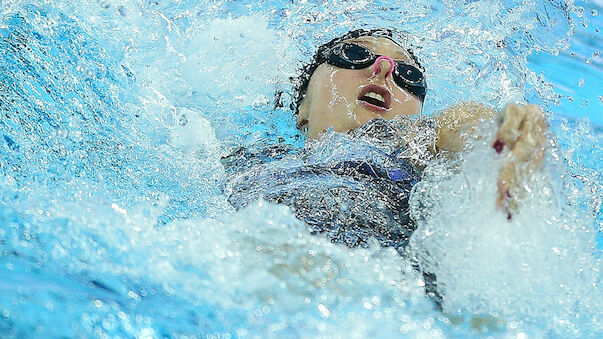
(376, 98)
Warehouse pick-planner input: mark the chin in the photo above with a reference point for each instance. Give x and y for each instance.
(366, 116)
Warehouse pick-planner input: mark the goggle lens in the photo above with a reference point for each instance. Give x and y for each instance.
(409, 73)
(356, 54)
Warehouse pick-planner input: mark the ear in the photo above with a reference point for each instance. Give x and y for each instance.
(303, 113)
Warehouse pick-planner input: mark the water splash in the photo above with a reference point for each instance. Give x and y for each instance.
(115, 115)
(538, 267)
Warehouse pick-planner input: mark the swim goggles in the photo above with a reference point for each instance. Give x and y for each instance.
(353, 56)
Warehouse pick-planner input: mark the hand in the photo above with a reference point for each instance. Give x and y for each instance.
(522, 129)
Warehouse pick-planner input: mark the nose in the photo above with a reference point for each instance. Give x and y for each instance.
(377, 66)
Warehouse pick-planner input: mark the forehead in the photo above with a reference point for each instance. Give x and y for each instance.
(383, 46)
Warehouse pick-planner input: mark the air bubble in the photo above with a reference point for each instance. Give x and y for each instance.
(324, 311)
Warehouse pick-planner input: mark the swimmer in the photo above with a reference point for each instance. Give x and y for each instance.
(354, 186)
(358, 84)
(365, 75)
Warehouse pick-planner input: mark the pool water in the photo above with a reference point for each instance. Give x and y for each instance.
(113, 220)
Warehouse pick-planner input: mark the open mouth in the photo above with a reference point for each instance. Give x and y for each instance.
(375, 98)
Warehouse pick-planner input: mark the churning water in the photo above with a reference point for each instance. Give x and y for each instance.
(113, 221)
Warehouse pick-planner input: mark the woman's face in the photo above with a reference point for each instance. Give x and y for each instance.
(334, 97)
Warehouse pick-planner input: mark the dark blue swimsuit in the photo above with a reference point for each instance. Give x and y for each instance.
(350, 187)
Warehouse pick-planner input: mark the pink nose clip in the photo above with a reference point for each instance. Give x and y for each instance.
(391, 69)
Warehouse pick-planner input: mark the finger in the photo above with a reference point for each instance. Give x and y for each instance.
(506, 179)
(506, 200)
(536, 112)
(539, 133)
(539, 124)
(536, 117)
(530, 148)
(512, 117)
(530, 145)
(524, 146)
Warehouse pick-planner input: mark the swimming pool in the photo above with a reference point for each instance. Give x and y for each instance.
(115, 114)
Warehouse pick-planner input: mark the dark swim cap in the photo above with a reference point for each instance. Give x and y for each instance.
(302, 81)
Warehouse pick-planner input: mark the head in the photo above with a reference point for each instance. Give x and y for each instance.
(336, 93)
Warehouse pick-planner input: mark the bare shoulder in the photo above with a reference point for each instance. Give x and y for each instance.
(465, 111)
(458, 120)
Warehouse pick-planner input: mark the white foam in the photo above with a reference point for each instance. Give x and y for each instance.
(539, 266)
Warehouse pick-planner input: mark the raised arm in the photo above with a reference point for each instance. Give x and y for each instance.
(521, 129)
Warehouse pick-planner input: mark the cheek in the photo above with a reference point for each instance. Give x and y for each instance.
(401, 97)
(405, 103)
(341, 85)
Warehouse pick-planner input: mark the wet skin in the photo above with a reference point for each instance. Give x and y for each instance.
(334, 98)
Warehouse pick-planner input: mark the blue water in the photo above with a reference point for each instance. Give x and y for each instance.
(115, 113)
